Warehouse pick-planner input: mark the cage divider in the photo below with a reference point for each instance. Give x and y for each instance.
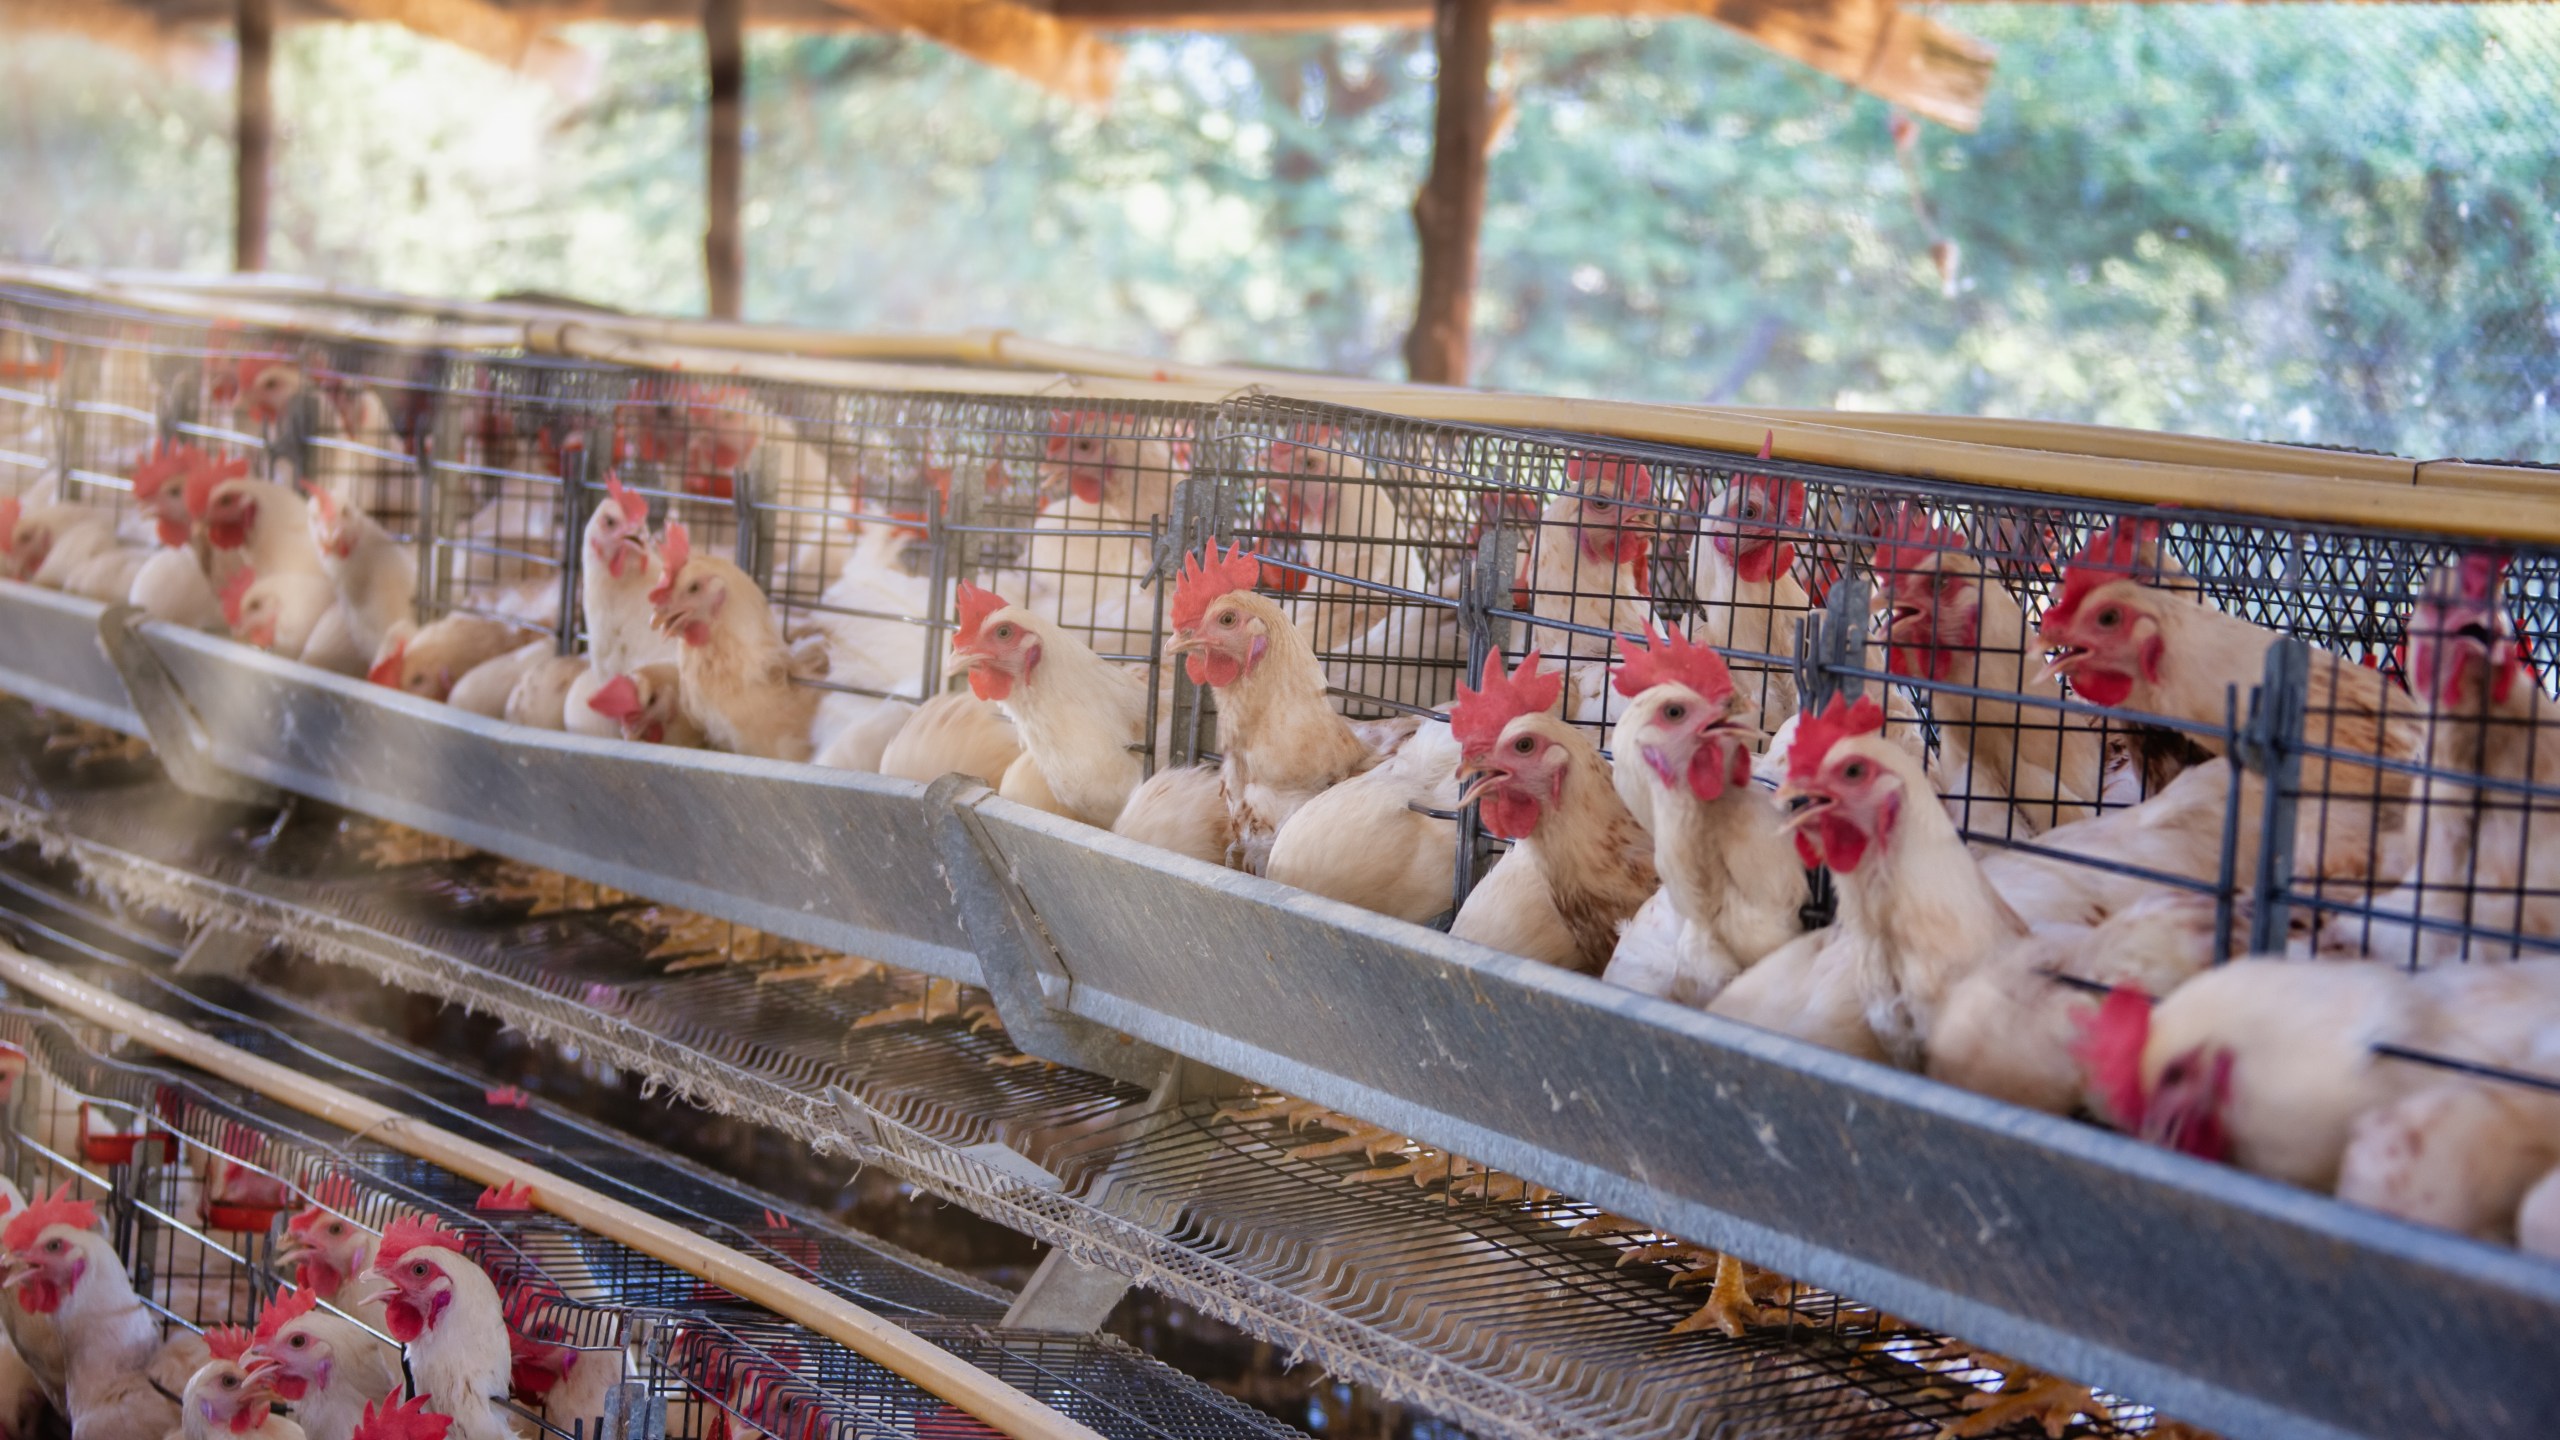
(2271, 747)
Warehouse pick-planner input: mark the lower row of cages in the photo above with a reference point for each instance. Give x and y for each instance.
(1406, 553)
(217, 1209)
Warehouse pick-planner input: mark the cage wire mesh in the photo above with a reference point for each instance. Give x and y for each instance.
(558, 1278)
(1467, 1291)
(2352, 815)
(199, 1220)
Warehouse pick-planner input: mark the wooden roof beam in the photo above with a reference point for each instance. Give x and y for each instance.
(1057, 55)
(1926, 68)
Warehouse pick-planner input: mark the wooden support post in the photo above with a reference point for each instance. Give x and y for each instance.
(724, 254)
(1449, 211)
(254, 129)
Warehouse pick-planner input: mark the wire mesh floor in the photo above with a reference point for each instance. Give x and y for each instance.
(1475, 1302)
(1097, 1380)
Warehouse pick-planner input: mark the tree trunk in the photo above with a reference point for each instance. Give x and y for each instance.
(253, 134)
(1449, 211)
(724, 255)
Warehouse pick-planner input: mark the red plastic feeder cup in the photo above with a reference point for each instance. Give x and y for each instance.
(115, 1146)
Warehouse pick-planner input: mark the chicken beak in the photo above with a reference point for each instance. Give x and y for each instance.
(1183, 642)
(960, 662)
(1486, 778)
(2061, 663)
(290, 1250)
(18, 1272)
(1803, 806)
(1735, 729)
(370, 1289)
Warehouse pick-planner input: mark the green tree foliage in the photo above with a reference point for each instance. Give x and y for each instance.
(2338, 224)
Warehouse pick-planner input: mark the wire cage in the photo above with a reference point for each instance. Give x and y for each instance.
(199, 1190)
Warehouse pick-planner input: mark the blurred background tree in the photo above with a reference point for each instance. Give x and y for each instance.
(2333, 224)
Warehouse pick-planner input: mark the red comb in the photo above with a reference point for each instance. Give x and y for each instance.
(1066, 424)
(1912, 541)
(1624, 478)
(2114, 553)
(1498, 699)
(386, 1419)
(675, 551)
(1206, 576)
(635, 508)
(2483, 572)
(9, 510)
(1840, 720)
(975, 606)
(57, 1208)
(2112, 1039)
(507, 1096)
(227, 1342)
(387, 670)
(617, 699)
(408, 1233)
(283, 1311)
(1670, 660)
(514, 1195)
(333, 1193)
(234, 591)
(204, 473)
(165, 463)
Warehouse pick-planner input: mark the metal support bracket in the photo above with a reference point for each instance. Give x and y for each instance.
(1066, 1295)
(2270, 745)
(755, 521)
(177, 736)
(1831, 640)
(1015, 954)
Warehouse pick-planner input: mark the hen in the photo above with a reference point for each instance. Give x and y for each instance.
(1733, 888)
(324, 1365)
(1590, 570)
(2267, 1063)
(119, 1374)
(2124, 641)
(735, 670)
(1089, 547)
(439, 1304)
(1541, 784)
(1748, 598)
(1082, 720)
(2481, 863)
(1281, 744)
(1948, 622)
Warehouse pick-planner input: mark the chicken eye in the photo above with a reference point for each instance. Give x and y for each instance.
(1675, 712)
(230, 1382)
(300, 1342)
(1596, 506)
(337, 1227)
(53, 1246)
(1524, 745)
(2109, 617)
(1084, 445)
(1855, 770)
(418, 1268)
(1004, 632)
(1228, 619)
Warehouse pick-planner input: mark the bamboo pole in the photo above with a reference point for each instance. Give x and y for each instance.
(724, 255)
(939, 1372)
(1448, 214)
(2488, 501)
(253, 133)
